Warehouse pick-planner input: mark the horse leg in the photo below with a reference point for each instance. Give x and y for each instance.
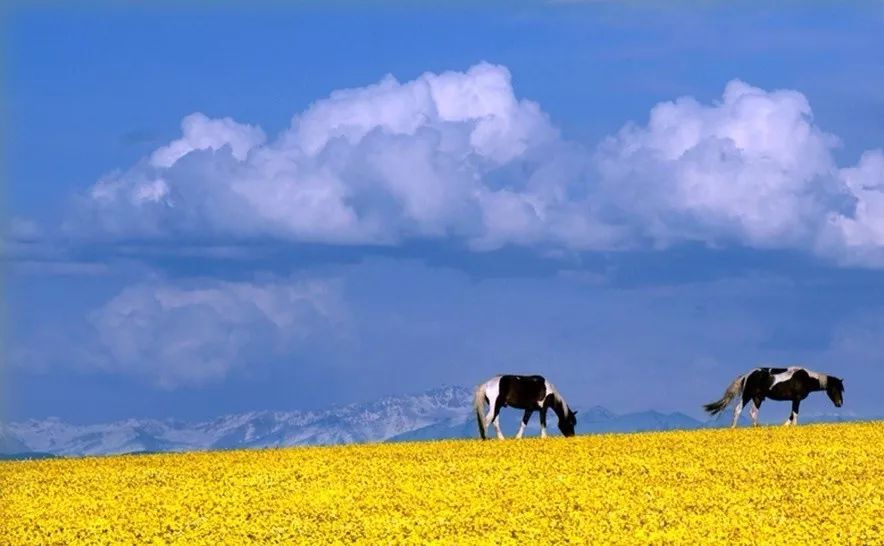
(543, 422)
(491, 416)
(793, 417)
(792, 414)
(497, 429)
(738, 409)
(525, 418)
(498, 403)
(754, 409)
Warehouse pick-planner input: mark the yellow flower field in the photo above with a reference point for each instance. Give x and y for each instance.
(820, 484)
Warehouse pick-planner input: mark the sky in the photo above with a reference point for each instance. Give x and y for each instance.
(216, 210)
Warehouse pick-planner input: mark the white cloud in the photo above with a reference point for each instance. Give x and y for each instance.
(201, 133)
(458, 155)
(859, 238)
(373, 165)
(752, 168)
(196, 333)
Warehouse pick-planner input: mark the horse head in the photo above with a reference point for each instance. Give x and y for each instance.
(835, 390)
(567, 424)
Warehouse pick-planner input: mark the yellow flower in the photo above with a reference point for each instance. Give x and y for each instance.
(821, 484)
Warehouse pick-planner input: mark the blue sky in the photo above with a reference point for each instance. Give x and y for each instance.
(230, 209)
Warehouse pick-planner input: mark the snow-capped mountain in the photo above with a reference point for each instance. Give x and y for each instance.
(444, 412)
(373, 421)
(9, 443)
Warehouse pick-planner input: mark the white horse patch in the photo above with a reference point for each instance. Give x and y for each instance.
(821, 377)
(787, 375)
(784, 376)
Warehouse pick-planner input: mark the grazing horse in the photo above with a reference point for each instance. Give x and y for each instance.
(526, 392)
(793, 384)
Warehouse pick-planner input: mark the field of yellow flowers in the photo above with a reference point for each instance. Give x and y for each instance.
(770, 485)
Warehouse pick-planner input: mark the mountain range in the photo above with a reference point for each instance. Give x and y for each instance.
(439, 413)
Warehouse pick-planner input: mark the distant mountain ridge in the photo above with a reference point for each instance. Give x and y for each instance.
(372, 421)
(440, 413)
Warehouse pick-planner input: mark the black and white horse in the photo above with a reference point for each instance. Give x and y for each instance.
(526, 392)
(792, 384)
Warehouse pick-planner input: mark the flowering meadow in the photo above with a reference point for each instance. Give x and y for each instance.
(768, 485)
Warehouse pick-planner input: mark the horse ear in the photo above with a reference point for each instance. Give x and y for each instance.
(575, 412)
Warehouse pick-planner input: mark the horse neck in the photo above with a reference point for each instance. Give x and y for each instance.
(559, 406)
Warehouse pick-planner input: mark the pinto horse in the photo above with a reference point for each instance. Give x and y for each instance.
(525, 392)
(793, 384)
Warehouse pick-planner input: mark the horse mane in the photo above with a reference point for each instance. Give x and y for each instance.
(823, 378)
(559, 405)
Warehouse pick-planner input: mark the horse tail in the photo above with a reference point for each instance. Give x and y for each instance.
(479, 405)
(734, 389)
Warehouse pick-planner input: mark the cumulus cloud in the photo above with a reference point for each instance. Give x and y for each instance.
(859, 237)
(197, 332)
(455, 154)
(201, 133)
(752, 168)
(458, 155)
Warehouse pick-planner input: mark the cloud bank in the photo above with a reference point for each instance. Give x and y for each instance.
(458, 156)
(198, 332)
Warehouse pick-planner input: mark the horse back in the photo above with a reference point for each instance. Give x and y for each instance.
(774, 384)
(522, 391)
